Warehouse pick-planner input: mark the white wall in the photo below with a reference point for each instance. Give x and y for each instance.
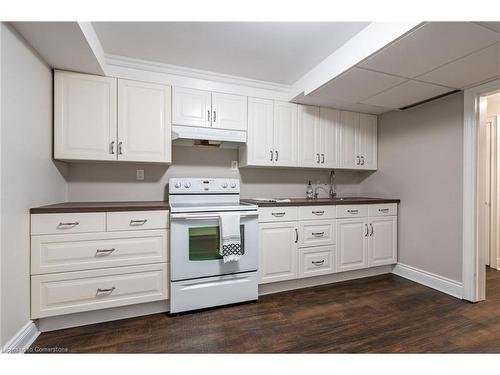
(494, 105)
(28, 175)
(114, 182)
(420, 161)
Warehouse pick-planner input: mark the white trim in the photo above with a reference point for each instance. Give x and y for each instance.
(1, 249)
(443, 284)
(94, 44)
(22, 339)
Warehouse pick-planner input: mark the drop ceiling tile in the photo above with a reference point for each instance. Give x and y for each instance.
(468, 71)
(356, 84)
(430, 46)
(495, 26)
(337, 104)
(407, 93)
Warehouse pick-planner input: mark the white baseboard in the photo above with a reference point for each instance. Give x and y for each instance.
(443, 284)
(22, 339)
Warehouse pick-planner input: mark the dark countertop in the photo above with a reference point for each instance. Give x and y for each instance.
(100, 207)
(323, 201)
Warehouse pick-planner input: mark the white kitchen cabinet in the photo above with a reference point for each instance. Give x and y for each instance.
(278, 251)
(144, 122)
(309, 135)
(349, 122)
(229, 111)
(328, 142)
(382, 245)
(84, 116)
(352, 244)
(191, 107)
(272, 134)
(285, 134)
(366, 139)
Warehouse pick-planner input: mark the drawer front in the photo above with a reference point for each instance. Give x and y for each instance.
(270, 214)
(71, 292)
(85, 251)
(317, 212)
(357, 210)
(317, 261)
(316, 233)
(136, 220)
(68, 223)
(390, 209)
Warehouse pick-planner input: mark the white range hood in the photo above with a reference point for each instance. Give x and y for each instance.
(209, 134)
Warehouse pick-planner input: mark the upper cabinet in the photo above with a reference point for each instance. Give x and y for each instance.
(191, 107)
(358, 141)
(101, 118)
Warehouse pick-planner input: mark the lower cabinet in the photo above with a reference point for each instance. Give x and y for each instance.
(316, 261)
(383, 241)
(278, 251)
(352, 244)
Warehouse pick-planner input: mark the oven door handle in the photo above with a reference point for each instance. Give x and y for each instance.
(208, 217)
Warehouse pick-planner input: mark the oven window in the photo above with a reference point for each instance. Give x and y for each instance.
(204, 243)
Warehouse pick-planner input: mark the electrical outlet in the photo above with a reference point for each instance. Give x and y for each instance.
(234, 165)
(140, 175)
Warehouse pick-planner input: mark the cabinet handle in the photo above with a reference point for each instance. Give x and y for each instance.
(276, 155)
(352, 211)
(208, 115)
(319, 213)
(322, 158)
(296, 235)
(317, 158)
(112, 147)
(278, 214)
(371, 231)
(271, 151)
(106, 290)
(318, 234)
(105, 251)
(383, 210)
(318, 262)
(362, 160)
(138, 222)
(120, 148)
(366, 227)
(68, 225)
(215, 116)
(359, 160)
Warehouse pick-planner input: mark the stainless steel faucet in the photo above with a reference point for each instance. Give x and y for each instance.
(333, 192)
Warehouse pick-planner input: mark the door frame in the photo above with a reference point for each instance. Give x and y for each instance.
(473, 270)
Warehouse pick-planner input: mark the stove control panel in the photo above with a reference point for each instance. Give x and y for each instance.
(204, 186)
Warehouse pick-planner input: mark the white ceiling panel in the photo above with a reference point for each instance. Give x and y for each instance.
(468, 71)
(429, 47)
(339, 104)
(357, 84)
(407, 93)
(278, 52)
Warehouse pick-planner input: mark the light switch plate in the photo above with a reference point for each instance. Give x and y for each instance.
(140, 175)
(234, 165)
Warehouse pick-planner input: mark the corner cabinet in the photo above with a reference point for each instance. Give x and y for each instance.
(357, 141)
(105, 119)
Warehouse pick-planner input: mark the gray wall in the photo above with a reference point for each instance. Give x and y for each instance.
(101, 181)
(420, 161)
(28, 175)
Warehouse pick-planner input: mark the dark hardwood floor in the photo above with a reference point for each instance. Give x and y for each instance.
(382, 314)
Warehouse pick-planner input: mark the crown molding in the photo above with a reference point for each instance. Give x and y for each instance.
(157, 67)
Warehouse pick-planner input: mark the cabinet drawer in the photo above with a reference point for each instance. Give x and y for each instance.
(136, 220)
(390, 209)
(269, 214)
(68, 223)
(85, 251)
(352, 211)
(71, 292)
(316, 261)
(317, 212)
(316, 233)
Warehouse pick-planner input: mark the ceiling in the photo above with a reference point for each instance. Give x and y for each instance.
(279, 52)
(434, 59)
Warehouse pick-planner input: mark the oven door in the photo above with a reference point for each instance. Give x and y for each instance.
(195, 244)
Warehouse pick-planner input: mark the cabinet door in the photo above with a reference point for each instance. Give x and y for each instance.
(383, 242)
(352, 244)
(191, 107)
(84, 117)
(278, 252)
(349, 122)
(259, 149)
(144, 131)
(329, 120)
(309, 153)
(285, 134)
(367, 141)
(229, 111)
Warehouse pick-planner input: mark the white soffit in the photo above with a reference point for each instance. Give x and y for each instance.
(357, 84)
(476, 68)
(342, 105)
(429, 47)
(405, 94)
